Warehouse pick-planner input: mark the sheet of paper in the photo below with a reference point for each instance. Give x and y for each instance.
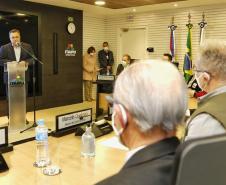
(114, 143)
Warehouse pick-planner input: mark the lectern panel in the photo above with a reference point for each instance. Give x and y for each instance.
(16, 95)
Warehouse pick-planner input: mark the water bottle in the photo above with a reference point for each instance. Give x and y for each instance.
(88, 143)
(41, 136)
(108, 72)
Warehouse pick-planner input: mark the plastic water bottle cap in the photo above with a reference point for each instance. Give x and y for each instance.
(40, 122)
(88, 128)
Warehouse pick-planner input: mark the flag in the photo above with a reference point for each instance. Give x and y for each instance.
(172, 45)
(202, 26)
(202, 31)
(188, 57)
(202, 35)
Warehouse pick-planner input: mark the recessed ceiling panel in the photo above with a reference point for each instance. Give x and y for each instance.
(116, 4)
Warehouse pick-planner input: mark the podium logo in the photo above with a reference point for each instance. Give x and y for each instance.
(17, 82)
(70, 50)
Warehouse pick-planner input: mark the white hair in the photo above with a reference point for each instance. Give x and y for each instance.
(212, 58)
(154, 93)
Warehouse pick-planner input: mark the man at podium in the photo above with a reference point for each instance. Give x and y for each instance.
(16, 51)
(13, 52)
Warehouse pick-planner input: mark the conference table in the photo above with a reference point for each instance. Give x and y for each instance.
(65, 153)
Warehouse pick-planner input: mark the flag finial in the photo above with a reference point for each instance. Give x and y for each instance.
(189, 25)
(202, 24)
(172, 20)
(172, 27)
(203, 16)
(189, 18)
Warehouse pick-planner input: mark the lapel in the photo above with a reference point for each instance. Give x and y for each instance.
(153, 152)
(22, 52)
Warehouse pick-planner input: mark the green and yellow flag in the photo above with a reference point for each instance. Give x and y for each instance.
(188, 56)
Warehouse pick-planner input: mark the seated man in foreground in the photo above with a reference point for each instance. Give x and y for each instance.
(147, 108)
(209, 119)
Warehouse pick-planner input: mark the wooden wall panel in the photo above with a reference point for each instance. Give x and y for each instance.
(65, 87)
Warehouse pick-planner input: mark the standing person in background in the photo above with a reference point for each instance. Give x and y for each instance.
(106, 59)
(89, 72)
(168, 57)
(125, 62)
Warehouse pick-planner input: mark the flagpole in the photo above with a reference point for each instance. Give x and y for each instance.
(189, 26)
(188, 55)
(202, 25)
(172, 28)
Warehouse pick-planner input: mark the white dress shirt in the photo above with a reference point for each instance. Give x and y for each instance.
(17, 51)
(132, 152)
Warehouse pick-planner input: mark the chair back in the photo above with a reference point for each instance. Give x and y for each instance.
(201, 162)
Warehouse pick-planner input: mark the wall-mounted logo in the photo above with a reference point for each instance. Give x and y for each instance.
(17, 82)
(70, 50)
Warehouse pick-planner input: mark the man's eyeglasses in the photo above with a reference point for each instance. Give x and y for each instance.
(194, 68)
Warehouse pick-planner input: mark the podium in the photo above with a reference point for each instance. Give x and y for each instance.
(101, 80)
(16, 95)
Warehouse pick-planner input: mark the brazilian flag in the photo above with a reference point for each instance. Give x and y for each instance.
(188, 57)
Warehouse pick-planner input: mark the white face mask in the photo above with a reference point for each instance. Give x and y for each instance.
(200, 81)
(124, 63)
(117, 132)
(91, 54)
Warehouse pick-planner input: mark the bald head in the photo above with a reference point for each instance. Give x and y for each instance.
(154, 93)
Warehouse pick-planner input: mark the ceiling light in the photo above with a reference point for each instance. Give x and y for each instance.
(20, 14)
(175, 5)
(100, 3)
(134, 10)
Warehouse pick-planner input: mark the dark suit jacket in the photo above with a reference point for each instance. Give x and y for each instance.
(7, 54)
(103, 60)
(151, 165)
(120, 68)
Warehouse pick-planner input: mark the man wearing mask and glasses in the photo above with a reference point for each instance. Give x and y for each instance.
(210, 72)
(125, 63)
(145, 120)
(106, 59)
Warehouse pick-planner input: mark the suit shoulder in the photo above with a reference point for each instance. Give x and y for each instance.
(26, 44)
(6, 45)
(115, 179)
(101, 51)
